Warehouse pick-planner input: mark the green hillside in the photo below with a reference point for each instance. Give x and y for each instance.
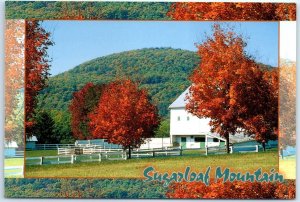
(162, 71)
(88, 10)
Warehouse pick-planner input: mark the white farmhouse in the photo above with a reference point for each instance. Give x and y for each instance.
(189, 131)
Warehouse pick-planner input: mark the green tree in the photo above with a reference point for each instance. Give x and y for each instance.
(44, 128)
(163, 129)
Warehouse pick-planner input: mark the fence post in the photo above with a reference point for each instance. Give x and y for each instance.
(256, 148)
(206, 150)
(44, 147)
(42, 159)
(180, 150)
(231, 149)
(22, 170)
(153, 154)
(99, 157)
(125, 155)
(72, 159)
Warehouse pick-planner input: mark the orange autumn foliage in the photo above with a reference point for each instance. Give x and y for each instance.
(14, 62)
(232, 90)
(36, 67)
(124, 115)
(233, 190)
(84, 101)
(14, 73)
(232, 11)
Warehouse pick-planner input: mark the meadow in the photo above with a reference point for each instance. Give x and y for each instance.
(133, 168)
(13, 162)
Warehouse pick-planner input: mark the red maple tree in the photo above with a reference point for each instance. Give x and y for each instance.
(84, 101)
(14, 78)
(233, 190)
(14, 62)
(124, 115)
(36, 66)
(229, 88)
(232, 11)
(261, 118)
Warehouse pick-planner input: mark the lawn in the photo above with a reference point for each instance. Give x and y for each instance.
(13, 162)
(133, 168)
(39, 153)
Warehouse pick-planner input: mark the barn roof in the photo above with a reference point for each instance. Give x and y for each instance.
(181, 101)
(11, 144)
(31, 139)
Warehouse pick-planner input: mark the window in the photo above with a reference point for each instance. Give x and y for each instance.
(188, 118)
(199, 139)
(178, 118)
(215, 140)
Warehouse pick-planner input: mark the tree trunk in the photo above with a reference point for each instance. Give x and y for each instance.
(129, 152)
(227, 143)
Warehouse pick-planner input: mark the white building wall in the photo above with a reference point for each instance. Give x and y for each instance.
(193, 126)
(211, 143)
(152, 143)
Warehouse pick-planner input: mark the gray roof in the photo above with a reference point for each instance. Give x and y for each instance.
(181, 101)
(31, 139)
(11, 144)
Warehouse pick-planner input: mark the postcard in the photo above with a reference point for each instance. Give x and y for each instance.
(150, 100)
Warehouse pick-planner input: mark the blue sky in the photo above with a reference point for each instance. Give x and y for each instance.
(79, 41)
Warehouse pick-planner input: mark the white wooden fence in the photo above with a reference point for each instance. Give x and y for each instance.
(244, 149)
(53, 146)
(13, 171)
(68, 156)
(216, 150)
(167, 151)
(70, 159)
(233, 149)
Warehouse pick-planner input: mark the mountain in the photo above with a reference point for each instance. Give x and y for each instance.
(162, 71)
(87, 10)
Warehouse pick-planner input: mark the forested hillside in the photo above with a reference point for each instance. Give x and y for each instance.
(87, 10)
(162, 71)
(83, 188)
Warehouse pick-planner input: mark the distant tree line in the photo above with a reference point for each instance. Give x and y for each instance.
(83, 188)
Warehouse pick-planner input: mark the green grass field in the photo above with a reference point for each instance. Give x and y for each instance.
(12, 162)
(133, 168)
(39, 153)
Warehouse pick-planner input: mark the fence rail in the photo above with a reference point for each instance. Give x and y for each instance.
(232, 149)
(244, 149)
(17, 154)
(56, 146)
(70, 159)
(216, 150)
(168, 151)
(13, 171)
(50, 146)
(68, 156)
